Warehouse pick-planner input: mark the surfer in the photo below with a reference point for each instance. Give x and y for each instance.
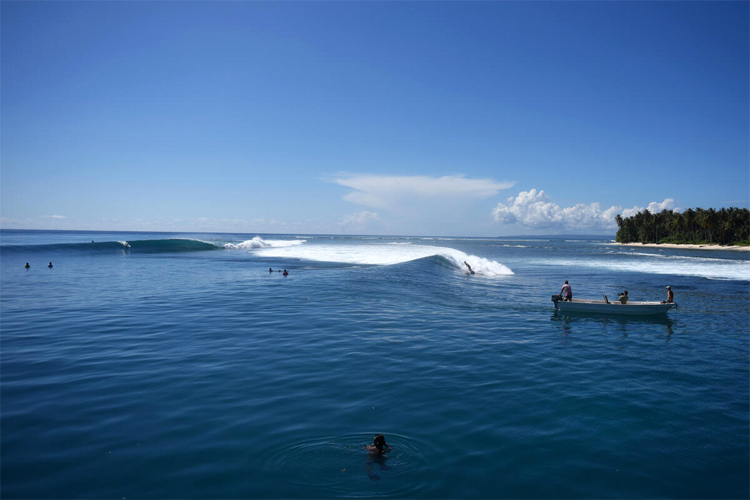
(285, 273)
(27, 265)
(470, 270)
(270, 270)
(378, 445)
(50, 265)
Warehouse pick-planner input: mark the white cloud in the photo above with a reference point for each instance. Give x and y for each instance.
(534, 209)
(389, 192)
(652, 207)
(358, 221)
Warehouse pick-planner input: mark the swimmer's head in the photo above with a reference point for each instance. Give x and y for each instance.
(379, 441)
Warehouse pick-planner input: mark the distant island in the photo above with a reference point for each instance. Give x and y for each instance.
(727, 226)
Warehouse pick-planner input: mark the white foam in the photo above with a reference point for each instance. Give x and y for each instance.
(384, 255)
(680, 257)
(681, 266)
(258, 242)
(124, 243)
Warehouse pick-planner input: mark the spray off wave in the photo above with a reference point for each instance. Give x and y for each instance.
(258, 242)
(384, 255)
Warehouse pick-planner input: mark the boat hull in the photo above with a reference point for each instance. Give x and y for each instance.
(601, 307)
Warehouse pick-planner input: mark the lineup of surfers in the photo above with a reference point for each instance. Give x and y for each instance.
(27, 266)
(567, 294)
(270, 270)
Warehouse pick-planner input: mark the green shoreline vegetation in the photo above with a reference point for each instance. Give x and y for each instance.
(727, 226)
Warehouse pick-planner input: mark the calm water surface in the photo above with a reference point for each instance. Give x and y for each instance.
(151, 365)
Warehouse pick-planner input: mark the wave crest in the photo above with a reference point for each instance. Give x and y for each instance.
(258, 242)
(386, 254)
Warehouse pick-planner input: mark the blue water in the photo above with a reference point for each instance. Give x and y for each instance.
(148, 365)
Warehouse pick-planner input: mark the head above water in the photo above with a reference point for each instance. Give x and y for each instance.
(379, 441)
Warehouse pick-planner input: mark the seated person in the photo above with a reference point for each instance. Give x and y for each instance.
(670, 296)
(623, 297)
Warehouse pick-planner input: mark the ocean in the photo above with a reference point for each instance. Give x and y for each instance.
(164, 365)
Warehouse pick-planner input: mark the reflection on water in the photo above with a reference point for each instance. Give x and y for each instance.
(623, 323)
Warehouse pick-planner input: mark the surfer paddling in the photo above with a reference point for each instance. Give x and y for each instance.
(470, 270)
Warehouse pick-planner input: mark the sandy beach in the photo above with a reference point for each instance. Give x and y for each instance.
(686, 247)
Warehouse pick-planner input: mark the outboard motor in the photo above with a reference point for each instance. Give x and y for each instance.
(556, 298)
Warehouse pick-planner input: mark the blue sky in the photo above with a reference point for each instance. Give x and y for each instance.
(410, 118)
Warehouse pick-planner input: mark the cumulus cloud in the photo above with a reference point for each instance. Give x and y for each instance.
(358, 221)
(387, 192)
(534, 209)
(653, 207)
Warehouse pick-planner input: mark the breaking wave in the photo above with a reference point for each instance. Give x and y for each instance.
(258, 242)
(705, 267)
(384, 255)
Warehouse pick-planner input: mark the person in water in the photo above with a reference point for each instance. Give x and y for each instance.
(27, 265)
(670, 296)
(567, 292)
(285, 273)
(50, 264)
(467, 265)
(270, 270)
(378, 445)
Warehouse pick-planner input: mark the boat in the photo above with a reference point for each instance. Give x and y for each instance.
(612, 307)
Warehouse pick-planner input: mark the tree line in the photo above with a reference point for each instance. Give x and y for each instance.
(727, 226)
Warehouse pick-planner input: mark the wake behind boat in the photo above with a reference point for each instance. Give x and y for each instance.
(610, 307)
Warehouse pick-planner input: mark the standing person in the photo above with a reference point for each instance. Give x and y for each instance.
(670, 296)
(567, 292)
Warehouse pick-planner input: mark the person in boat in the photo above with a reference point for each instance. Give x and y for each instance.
(285, 273)
(27, 265)
(623, 297)
(470, 270)
(50, 264)
(670, 296)
(567, 292)
(378, 445)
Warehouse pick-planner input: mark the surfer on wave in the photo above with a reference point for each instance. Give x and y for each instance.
(470, 270)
